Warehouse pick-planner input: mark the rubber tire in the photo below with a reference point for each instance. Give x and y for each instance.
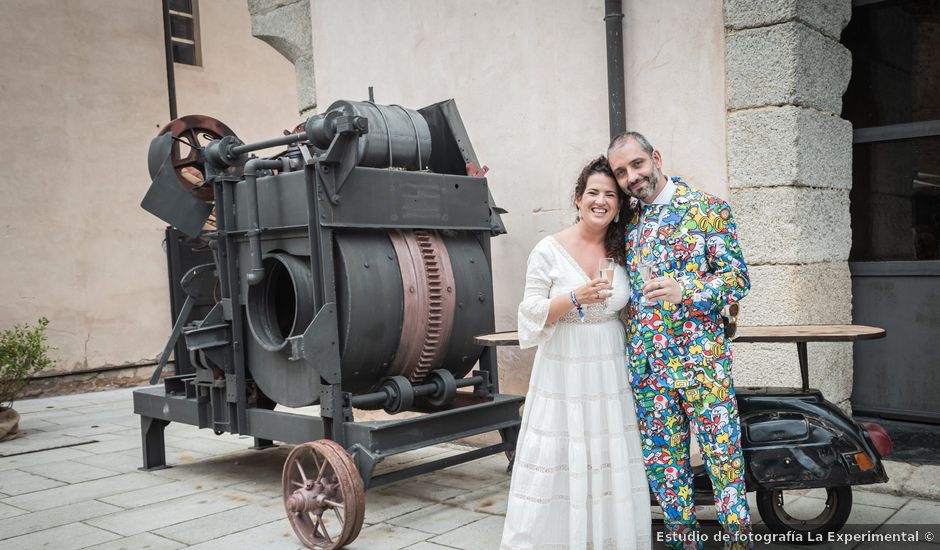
(841, 498)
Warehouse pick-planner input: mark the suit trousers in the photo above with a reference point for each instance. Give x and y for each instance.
(664, 415)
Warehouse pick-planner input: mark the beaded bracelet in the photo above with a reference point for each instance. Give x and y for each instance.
(577, 305)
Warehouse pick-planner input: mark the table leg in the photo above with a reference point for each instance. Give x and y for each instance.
(804, 365)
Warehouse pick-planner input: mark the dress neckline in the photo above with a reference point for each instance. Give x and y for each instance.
(569, 257)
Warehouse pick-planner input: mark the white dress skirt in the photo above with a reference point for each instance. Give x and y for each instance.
(578, 480)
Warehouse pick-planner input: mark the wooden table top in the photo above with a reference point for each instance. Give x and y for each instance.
(808, 333)
(758, 333)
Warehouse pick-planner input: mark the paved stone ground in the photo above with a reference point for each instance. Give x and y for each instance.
(73, 482)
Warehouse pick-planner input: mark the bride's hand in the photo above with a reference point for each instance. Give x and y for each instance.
(594, 292)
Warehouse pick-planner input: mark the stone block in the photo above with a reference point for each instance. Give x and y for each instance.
(788, 63)
(260, 7)
(827, 16)
(809, 294)
(792, 225)
(777, 365)
(781, 146)
(306, 85)
(286, 27)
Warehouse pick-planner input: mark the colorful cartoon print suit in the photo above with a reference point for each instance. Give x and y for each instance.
(680, 362)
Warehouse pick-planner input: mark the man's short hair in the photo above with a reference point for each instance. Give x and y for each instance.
(621, 140)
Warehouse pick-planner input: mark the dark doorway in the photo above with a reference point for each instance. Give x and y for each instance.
(893, 103)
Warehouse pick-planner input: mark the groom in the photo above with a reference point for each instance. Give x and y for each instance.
(680, 361)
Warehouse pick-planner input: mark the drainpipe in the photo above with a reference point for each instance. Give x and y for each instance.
(168, 47)
(613, 18)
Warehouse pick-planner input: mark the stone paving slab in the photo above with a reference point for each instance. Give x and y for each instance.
(917, 511)
(437, 519)
(40, 441)
(275, 535)
(222, 524)
(66, 537)
(79, 492)
(170, 512)
(489, 500)
(161, 493)
(483, 534)
(17, 482)
(30, 522)
(385, 536)
(32, 459)
(68, 471)
(7, 511)
(143, 541)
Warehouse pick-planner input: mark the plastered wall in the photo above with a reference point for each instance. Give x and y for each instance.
(82, 91)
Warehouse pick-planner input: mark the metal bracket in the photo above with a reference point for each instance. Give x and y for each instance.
(484, 388)
(227, 309)
(334, 165)
(318, 346)
(231, 388)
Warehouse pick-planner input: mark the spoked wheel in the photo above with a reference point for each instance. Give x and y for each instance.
(191, 134)
(786, 511)
(323, 495)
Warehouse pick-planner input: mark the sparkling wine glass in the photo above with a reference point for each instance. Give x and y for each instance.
(647, 268)
(606, 268)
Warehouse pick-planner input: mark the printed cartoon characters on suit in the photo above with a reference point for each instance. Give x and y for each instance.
(680, 361)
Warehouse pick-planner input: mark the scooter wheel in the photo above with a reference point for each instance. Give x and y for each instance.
(781, 516)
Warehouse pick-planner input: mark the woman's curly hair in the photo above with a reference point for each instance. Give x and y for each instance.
(614, 242)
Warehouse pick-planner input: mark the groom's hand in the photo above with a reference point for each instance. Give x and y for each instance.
(663, 289)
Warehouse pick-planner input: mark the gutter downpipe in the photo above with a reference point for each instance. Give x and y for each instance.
(616, 93)
(168, 47)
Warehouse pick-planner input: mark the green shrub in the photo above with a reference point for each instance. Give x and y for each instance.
(23, 353)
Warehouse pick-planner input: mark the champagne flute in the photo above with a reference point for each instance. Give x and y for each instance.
(606, 268)
(647, 269)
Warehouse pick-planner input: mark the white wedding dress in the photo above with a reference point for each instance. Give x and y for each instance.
(578, 480)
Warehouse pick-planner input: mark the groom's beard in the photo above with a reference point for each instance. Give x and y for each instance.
(648, 191)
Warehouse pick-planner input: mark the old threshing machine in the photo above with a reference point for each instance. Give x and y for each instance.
(352, 270)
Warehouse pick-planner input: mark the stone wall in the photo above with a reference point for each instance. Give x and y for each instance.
(790, 172)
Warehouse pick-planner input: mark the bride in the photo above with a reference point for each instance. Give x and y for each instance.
(578, 480)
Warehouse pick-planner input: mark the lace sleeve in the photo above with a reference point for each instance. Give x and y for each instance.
(533, 310)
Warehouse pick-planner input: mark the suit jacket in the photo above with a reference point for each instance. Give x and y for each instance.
(696, 243)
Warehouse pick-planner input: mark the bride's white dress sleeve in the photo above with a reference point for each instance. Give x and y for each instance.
(533, 310)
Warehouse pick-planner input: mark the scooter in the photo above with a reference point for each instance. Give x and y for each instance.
(794, 439)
